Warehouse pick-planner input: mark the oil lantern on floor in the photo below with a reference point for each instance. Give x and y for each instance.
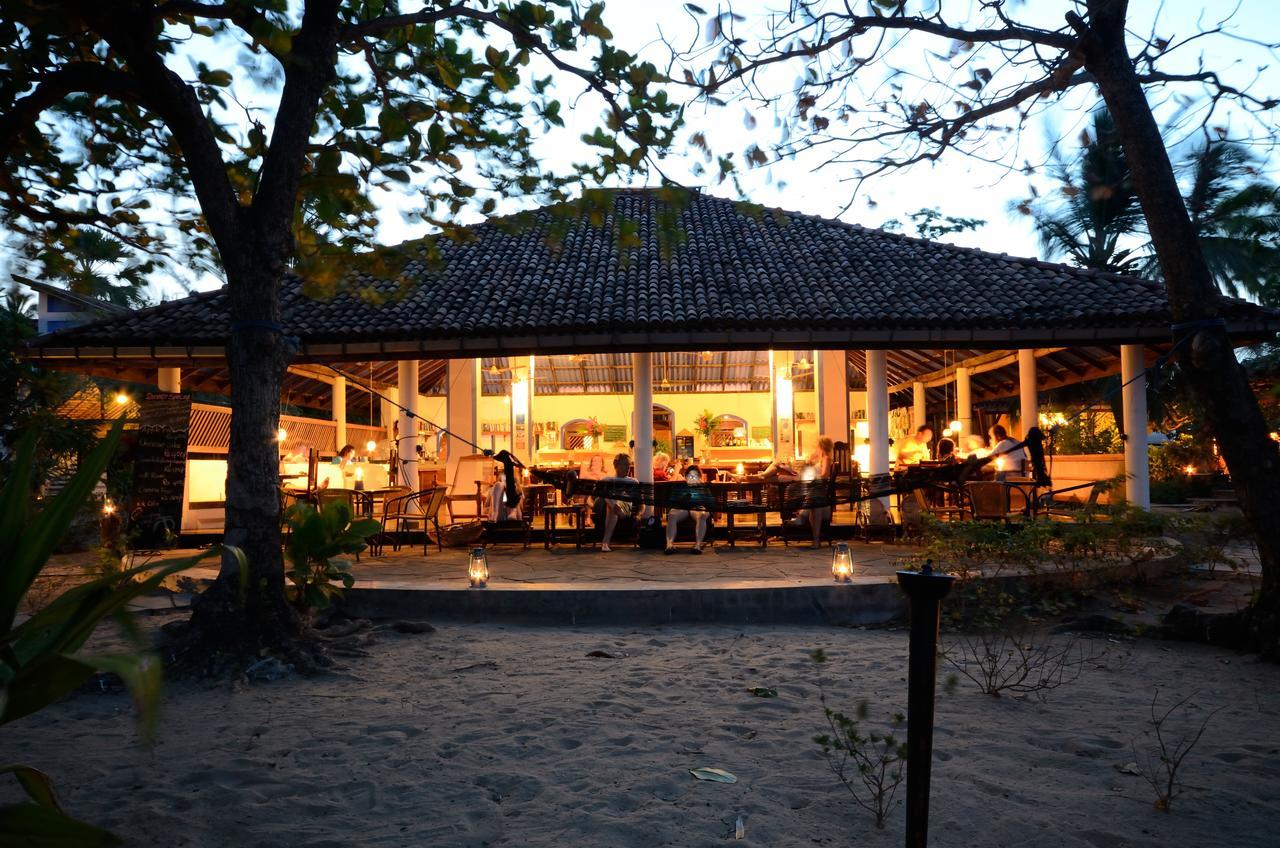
(842, 563)
(478, 569)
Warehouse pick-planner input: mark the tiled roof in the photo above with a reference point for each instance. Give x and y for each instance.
(761, 274)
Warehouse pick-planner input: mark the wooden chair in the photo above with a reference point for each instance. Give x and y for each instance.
(846, 472)
(819, 518)
(988, 500)
(465, 498)
(935, 507)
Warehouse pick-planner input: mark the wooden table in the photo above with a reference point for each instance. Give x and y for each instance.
(577, 513)
(538, 496)
(742, 498)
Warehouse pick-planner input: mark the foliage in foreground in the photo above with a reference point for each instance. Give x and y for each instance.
(317, 537)
(42, 658)
(869, 763)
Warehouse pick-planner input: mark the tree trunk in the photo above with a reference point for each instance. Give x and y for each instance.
(1204, 351)
(244, 620)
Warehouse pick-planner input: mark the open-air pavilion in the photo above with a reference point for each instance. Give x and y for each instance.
(546, 337)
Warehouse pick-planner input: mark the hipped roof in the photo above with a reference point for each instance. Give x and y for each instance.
(737, 277)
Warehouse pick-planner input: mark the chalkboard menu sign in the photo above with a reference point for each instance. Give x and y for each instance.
(159, 467)
(684, 447)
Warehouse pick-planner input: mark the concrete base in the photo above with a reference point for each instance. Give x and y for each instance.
(848, 604)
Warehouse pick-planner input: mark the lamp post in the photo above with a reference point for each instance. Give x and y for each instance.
(925, 590)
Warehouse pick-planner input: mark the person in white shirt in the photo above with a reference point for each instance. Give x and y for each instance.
(1011, 460)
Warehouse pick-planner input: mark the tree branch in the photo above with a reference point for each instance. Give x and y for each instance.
(52, 88)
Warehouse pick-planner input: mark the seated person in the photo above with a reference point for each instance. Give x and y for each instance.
(1011, 460)
(498, 509)
(947, 451)
(593, 468)
(820, 463)
(915, 449)
(342, 460)
(615, 509)
(661, 467)
(694, 478)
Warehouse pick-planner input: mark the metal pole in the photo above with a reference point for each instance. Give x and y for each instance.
(925, 590)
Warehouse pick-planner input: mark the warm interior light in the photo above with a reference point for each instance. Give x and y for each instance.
(281, 435)
(842, 563)
(1190, 469)
(371, 446)
(520, 393)
(786, 398)
(478, 569)
(108, 508)
(122, 398)
(359, 473)
(741, 469)
(999, 463)
(947, 432)
(955, 427)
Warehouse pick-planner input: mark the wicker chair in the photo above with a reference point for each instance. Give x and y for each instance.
(988, 500)
(409, 510)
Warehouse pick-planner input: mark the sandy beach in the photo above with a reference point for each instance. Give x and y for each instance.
(496, 735)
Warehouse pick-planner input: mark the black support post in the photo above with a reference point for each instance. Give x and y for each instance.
(925, 590)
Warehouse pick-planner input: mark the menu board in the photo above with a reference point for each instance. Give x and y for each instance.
(684, 447)
(159, 467)
(614, 433)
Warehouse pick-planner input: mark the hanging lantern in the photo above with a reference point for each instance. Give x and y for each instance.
(370, 446)
(842, 563)
(955, 427)
(478, 569)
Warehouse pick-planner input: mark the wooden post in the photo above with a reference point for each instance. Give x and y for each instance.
(925, 590)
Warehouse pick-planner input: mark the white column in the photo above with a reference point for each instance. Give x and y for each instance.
(1029, 402)
(919, 414)
(340, 411)
(1137, 489)
(878, 415)
(462, 380)
(642, 378)
(964, 402)
(833, 394)
(407, 386)
(169, 380)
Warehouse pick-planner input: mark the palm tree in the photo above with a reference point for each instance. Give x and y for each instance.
(1101, 210)
(98, 266)
(1237, 215)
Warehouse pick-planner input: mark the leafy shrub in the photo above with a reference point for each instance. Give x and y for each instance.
(317, 537)
(41, 658)
(869, 763)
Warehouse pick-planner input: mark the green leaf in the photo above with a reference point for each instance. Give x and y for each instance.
(392, 123)
(32, 826)
(763, 691)
(27, 546)
(37, 785)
